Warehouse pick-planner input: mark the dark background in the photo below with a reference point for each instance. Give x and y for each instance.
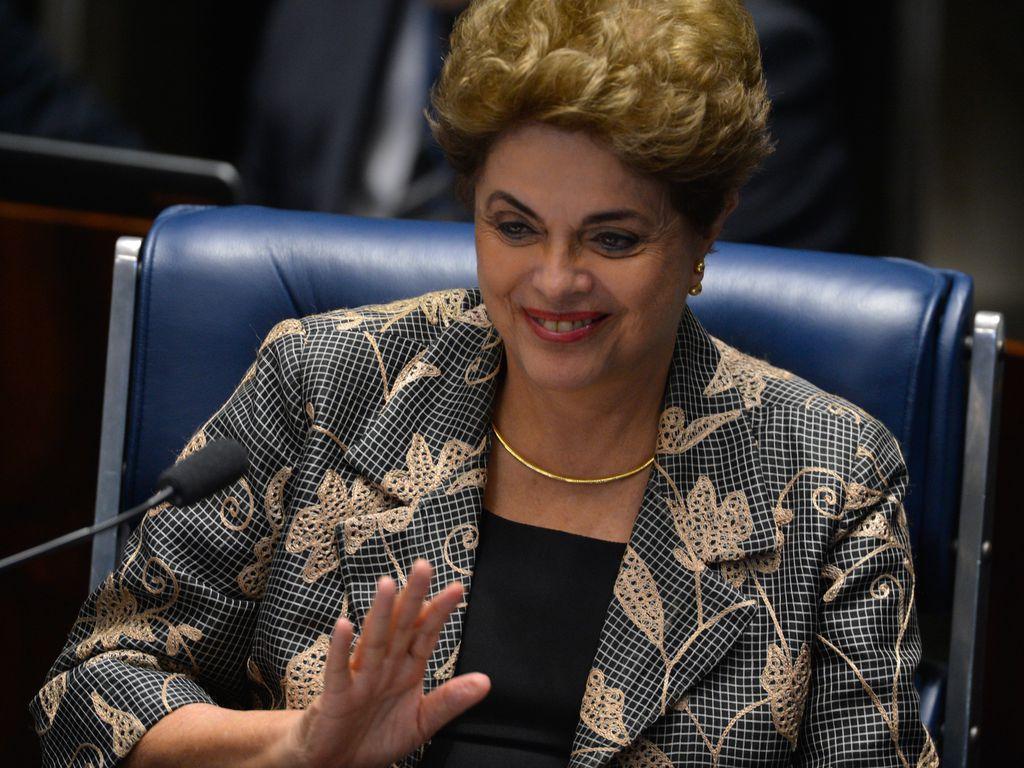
(926, 99)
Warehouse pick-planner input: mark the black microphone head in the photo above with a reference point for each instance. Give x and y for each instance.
(206, 471)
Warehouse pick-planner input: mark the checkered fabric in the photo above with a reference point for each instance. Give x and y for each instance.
(763, 613)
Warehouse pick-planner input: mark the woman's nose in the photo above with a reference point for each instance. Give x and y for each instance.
(561, 272)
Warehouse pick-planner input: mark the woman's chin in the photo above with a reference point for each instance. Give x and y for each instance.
(565, 378)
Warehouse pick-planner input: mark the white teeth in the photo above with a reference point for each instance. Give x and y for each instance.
(563, 326)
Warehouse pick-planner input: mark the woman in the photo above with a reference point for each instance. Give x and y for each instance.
(671, 553)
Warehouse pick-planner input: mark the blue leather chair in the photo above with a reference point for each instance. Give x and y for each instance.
(193, 300)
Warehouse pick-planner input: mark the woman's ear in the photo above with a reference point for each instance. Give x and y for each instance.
(731, 201)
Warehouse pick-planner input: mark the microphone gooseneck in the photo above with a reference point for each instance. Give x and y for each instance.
(206, 471)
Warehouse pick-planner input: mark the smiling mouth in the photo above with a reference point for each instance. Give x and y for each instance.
(564, 322)
(562, 326)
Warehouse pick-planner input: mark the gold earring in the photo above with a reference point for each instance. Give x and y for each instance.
(699, 269)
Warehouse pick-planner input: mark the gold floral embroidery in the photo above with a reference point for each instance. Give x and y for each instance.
(860, 497)
(715, 750)
(313, 527)
(473, 376)
(476, 316)
(127, 728)
(929, 757)
(710, 531)
(413, 370)
(474, 478)
(311, 415)
(638, 595)
(601, 710)
(165, 690)
(825, 498)
(372, 516)
(423, 474)
(787, 684)
(874, 525)
(135, 658)
(470, 537)
(887, 718)
(881, 588)
(304, 674)
(838, 579)
(118, 614)
(743, 372)
(50, 697)
(835, 406)
(446, 670)
(252, 580)
(676, 436)
(349, 319)
(284, 328)
(197, 443)
(177, 634)
(644, 754)
(98, 753)
(231, 509)
(154, 511)
(437, 307)
(737, 571)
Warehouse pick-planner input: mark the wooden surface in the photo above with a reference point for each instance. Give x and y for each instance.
(55, 273)
(1004, 669)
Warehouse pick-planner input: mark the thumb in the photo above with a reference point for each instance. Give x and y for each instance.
(450, 700)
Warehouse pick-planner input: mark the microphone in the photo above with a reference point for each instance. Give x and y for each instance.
(206, 471)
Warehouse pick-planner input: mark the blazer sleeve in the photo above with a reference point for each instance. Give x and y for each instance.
(173, 623)
(863, 708)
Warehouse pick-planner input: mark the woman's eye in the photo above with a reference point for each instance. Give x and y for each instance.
(615, 242)
(514, 230)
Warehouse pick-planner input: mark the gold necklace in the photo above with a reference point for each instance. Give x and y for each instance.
(553, 476)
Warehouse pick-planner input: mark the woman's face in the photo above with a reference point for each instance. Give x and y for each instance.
(583, 265)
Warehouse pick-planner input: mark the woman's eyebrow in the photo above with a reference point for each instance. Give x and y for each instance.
(593, 218)
(624, 213)
(515, 203)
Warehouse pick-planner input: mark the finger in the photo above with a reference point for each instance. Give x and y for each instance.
(337, 677)
(450, 700)
(434, 619)
(373, 643)
(409, 608)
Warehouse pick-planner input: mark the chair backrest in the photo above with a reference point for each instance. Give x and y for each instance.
(885, 333)
(189, 312)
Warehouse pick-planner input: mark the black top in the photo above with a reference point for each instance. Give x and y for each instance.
(536, 608)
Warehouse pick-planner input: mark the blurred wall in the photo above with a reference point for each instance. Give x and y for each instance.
(972, 198)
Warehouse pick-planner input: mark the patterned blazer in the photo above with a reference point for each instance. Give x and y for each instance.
(763, 613)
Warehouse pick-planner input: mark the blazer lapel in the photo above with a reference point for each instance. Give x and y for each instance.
(673, 614)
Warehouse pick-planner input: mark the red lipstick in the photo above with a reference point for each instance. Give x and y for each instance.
(533, 317)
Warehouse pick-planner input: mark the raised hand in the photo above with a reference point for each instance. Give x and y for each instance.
(373, 711)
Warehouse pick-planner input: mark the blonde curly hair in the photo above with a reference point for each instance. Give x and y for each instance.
(673, 87)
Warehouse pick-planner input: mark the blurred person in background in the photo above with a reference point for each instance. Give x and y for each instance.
(37, 98)
(336, 122)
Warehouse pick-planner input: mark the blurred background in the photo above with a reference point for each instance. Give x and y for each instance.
(898, 126)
